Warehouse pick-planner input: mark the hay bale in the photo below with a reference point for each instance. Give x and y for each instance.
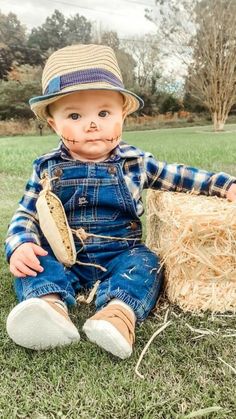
(195, 236)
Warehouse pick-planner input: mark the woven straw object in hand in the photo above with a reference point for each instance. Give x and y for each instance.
(55, 227)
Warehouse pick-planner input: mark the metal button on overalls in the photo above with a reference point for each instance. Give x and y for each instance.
(133, 225)
(57, 172)
(112, 170)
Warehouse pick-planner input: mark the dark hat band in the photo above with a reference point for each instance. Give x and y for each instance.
(92, 75)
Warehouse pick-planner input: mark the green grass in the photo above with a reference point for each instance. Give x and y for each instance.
(181, 375)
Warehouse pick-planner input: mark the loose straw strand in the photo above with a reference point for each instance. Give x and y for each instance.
(163, 327)
(228, 365)
(83, 235)
(82, 299)
(92, 264)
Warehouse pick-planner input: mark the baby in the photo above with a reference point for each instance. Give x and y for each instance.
(99, 180)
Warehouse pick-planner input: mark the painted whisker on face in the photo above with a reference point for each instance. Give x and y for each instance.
(69, 140)
(113, 139)
(102, 139)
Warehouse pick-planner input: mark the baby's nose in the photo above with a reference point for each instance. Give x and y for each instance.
(92, 126)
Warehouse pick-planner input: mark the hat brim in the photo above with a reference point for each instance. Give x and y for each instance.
(39, 104)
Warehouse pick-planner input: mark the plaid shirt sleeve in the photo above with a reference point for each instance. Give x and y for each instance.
(24, 226)
(180, 178)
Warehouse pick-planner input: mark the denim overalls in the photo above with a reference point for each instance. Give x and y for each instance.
(95, 197)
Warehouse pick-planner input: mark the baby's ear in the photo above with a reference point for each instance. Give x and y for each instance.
(52, 124)
(124, 114)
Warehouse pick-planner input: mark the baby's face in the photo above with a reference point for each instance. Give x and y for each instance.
(89, 122)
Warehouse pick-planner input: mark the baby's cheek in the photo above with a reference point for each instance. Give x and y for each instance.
(117, 129)
(67, 133)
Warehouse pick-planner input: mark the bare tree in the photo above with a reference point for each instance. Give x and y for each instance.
(175, 24)
(145, 51)
(212, 76)
(111, 39)
(210, 51)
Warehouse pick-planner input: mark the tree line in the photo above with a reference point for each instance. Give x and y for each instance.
(200, 35)
(22, 57)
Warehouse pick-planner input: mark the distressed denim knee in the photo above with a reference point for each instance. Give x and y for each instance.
(135, 278)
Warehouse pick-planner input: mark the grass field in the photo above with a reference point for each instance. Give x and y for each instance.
(183, 376)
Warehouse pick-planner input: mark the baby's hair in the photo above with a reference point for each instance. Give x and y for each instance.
(48, 111)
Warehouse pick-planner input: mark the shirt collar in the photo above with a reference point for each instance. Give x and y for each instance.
(65, 153)
(124, 150)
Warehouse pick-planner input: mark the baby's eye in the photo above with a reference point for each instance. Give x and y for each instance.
(74, 116)
(103, 114)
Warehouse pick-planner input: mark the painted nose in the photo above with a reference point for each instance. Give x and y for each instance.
(92, 126)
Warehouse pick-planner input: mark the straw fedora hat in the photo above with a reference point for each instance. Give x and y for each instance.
(81, 67)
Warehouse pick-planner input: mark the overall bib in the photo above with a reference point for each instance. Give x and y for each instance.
(95, 197)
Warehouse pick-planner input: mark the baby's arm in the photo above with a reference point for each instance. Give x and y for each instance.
(23, 238)
(24, 261)
(181, 178)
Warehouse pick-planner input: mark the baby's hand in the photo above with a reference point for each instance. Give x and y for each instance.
(231, 193)
(24, 262)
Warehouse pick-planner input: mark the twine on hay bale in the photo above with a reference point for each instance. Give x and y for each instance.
(195, 236)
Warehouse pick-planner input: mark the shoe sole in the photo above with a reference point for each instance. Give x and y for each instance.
(34, 324)
(105, 335)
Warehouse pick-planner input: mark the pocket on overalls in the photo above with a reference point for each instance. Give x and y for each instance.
(109, 202)
(90, 200)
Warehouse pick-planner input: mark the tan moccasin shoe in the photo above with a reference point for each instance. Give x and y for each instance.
(112, 328)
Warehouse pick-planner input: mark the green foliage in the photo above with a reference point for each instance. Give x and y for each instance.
(111, 39)
(192, 104)
(14, 97)
(78, 30)
(12, 32)
(50, 35)
(150, 103)
(57, 32)
(5, 61)
(12, 42)
(159, 102)
(16, 47)
(170, 104)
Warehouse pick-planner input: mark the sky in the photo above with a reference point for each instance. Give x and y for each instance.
(126, 17)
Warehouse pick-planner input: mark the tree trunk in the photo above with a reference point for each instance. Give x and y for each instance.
(218, 122)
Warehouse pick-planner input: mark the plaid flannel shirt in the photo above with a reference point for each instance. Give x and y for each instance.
(141, 171)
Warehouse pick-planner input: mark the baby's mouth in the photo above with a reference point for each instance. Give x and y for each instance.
(91, 140)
